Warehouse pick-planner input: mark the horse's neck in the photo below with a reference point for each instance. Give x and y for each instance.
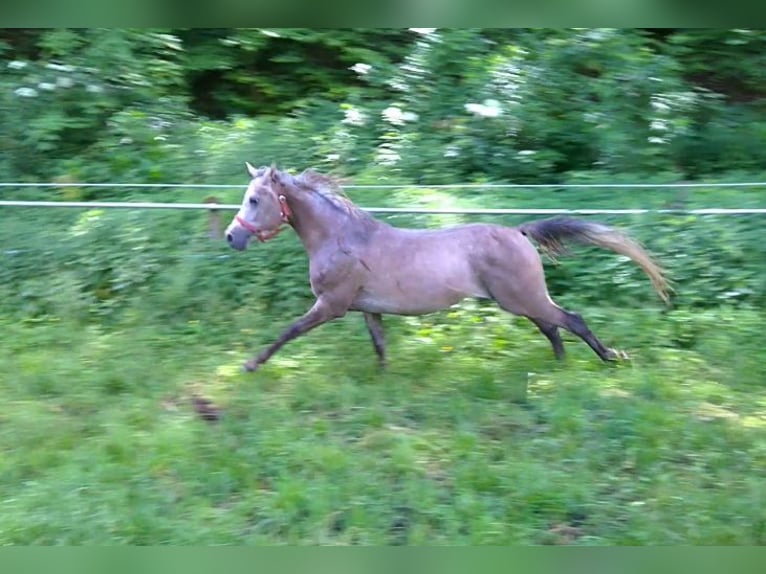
(314, 220)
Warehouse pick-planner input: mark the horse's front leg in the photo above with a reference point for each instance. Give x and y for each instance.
(375, 327)
(325, 309)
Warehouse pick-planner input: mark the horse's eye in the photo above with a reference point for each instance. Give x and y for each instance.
(253, 201)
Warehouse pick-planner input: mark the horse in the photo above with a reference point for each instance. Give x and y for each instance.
(359, 263)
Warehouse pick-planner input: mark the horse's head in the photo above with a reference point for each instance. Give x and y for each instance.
(263, 211)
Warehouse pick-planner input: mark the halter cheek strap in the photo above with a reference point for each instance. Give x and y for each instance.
(264, 235)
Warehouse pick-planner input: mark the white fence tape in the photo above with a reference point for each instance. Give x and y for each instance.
(390, 210)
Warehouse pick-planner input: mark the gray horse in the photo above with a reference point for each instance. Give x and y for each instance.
(358, 263)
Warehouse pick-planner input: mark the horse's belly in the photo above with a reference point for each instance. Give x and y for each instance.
(403, 301)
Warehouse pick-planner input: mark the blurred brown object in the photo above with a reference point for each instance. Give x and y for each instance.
(206, 409)
(214, 221)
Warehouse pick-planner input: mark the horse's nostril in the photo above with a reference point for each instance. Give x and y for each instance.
(229, 237)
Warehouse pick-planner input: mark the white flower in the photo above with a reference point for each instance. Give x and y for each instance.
(64, 82)
(94, 89)
(487, 109)
(47, 86)
(387, 155)
(394, 115)
(472, 107)
(354, 117)
(60, 67)
(477, 109)
(25, 92)
(17, 65)
(361, 69)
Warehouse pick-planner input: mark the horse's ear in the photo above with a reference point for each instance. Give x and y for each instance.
(274, 174)
(251, 170)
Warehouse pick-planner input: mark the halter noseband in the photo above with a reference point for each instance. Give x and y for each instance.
(264, 235)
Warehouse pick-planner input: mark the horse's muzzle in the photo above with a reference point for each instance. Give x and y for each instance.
(237, 238)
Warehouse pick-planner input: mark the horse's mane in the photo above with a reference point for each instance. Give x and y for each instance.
(328, 188)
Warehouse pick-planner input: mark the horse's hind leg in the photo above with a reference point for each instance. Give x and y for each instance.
(536, 305)
(548, 314)
(517, 283)
(375, 327)
(551, 331)
(576, 324)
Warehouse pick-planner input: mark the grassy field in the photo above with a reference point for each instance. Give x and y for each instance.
(474, 434)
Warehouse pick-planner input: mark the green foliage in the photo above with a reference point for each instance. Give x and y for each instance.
(699, 52)
(266, 72)
(62, 102)
(526, 105)
(540, 103)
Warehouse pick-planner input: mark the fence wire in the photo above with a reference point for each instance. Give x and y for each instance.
(391, 210)
(399, 185)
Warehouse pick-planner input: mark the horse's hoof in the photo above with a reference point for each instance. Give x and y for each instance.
(250, 367)
(617, 355)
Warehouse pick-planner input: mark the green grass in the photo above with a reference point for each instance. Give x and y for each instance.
(474, 435)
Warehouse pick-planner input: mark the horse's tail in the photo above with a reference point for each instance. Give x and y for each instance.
(551, 233)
